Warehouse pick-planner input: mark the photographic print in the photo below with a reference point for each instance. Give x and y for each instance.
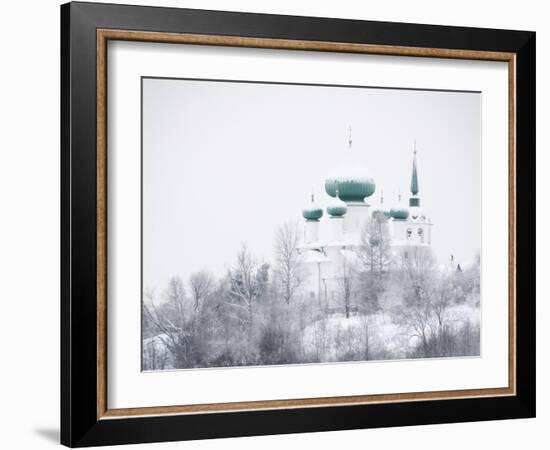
(300, 224)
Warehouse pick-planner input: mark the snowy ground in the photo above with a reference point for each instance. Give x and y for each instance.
(328, 338)
(337, 338)
(376, 335)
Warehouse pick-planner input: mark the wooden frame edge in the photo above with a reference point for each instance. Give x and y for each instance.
(103, 35)
(211, 408)
(101, 190)
(512, 199)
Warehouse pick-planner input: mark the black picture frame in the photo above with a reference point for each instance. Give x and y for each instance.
(80, 425)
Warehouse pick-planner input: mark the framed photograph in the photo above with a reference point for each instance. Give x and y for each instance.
(277, 224)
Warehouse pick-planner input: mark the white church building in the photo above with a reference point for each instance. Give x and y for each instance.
(328, 245)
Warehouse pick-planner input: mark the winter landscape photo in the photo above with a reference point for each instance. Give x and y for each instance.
(300, 224)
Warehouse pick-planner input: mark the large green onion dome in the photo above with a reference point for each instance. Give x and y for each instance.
(353, 183)
(337, 208)
(312, 211)
(400, 211)
(350, 180)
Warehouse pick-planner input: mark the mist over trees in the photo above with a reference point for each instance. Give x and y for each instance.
(386, 305)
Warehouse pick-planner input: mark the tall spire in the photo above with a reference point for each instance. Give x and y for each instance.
(350, 141)
(414, 177)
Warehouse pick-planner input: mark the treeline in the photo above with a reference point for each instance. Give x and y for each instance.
(385, 307)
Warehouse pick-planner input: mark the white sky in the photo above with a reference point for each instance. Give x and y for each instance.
(226, 163)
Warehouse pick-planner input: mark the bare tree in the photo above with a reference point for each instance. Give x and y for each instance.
(374, 258)
(366, 340)
(202, 284)
(245, 286)
(288, 268)
(416, 315)
(417, 268)
(346, 284)
(155, 354)
(169, 319)
(428, 295)
(416, 321)
(375, 246)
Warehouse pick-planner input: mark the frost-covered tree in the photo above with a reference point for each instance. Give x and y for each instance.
(426, 313)
(202, 322)
(171, 321)
(466, 281)
(288, 269)
(262, 279)
(347, 284)
(246, 287)
(374, 259)
(202, 284)
(417, 277)
(374, 250)
(417, 273)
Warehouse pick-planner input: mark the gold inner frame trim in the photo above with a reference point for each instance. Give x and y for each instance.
(104, 35)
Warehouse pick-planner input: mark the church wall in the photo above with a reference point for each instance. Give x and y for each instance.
(356, 217)
(408, 231)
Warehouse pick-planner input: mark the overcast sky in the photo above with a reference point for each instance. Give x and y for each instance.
(226, 163)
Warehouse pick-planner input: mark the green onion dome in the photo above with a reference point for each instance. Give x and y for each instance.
(337, 208)
(312, 211)
(353, 183)
(400, 211)
(380, 210)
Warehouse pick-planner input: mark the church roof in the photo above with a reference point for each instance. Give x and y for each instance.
(414, 176)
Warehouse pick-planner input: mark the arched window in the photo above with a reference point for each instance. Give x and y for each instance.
(409, 233)
(421, 235)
